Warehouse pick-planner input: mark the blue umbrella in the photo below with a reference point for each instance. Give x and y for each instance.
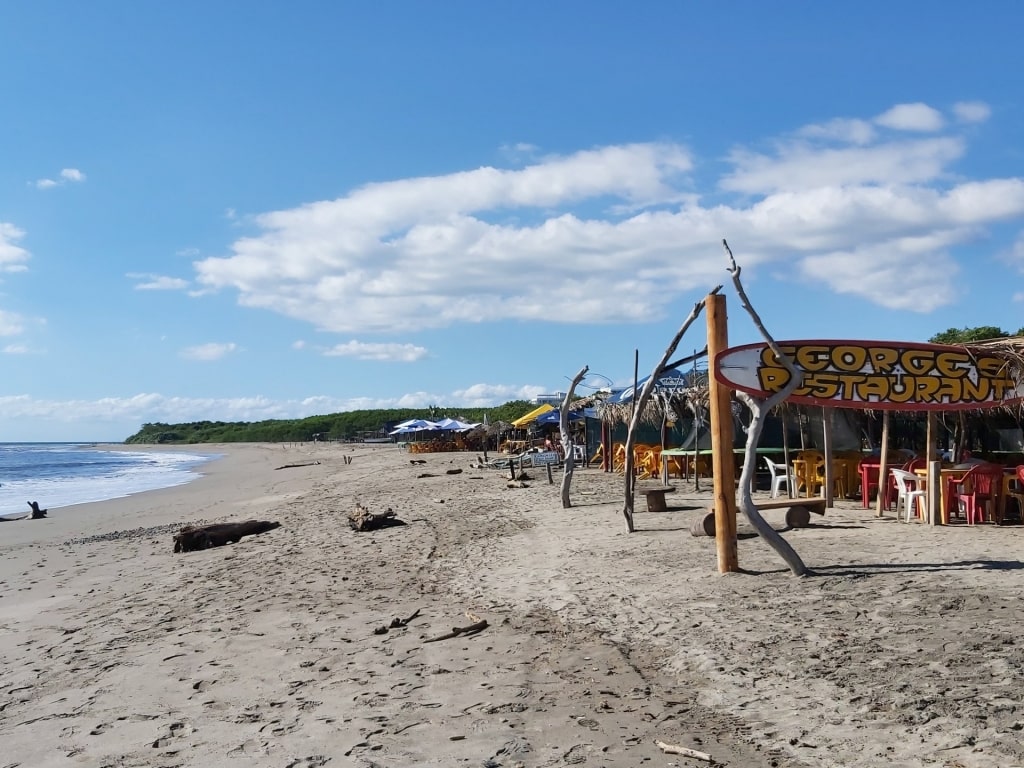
(671, 379)
(555, 417)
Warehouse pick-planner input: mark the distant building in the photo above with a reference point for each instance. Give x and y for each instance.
(554, 399)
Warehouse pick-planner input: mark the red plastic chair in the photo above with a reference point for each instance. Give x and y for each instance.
(976, 490)
(1017, 493)
(869, 482)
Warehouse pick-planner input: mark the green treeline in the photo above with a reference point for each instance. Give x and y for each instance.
(351, 425)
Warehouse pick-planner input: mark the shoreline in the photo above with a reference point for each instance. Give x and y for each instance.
(900, 649)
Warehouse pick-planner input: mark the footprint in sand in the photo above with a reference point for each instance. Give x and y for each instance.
(250, 748)
(314, 761)
(174, 731)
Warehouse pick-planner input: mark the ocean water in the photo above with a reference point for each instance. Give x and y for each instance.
(60, 474)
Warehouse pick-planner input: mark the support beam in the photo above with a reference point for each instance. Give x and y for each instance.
(932, 458)
(829, 489)
(723, 461)
(883, 467)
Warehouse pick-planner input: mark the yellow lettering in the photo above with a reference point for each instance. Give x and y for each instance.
(883, 359)
(773, 379)
(952, 365)
(918, 361)
(848, 358)
(926, 387)
(949, 391)
(813, 358)
(975, 392)
(902, 389)
(824, 386)
(874, 389)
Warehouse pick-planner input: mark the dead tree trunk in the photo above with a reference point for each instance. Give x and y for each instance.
(567, 444)
(641, 401)
(758, 409)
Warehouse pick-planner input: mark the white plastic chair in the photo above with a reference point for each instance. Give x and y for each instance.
(780, 477)
(907, 492)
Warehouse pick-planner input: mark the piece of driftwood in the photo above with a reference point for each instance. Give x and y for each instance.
(37, 513)
(453, 471)
(478, 625)
(758, 410)
(362, 519)
(192, 538)
(395, 623)
(704, 525)
(567, 445)
(424, 474)
(304, 464)
(417, 461)
(672, 749)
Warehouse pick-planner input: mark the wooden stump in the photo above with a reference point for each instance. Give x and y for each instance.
(704, 525)
(655, 499)
(798, 517)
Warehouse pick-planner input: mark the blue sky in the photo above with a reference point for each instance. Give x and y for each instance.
(241, 211)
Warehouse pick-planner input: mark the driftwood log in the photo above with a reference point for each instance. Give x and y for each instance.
(478, 625)
(37, 513)
(191, 538)
(362, 519)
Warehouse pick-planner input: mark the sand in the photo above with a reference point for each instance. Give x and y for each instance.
(903, 648)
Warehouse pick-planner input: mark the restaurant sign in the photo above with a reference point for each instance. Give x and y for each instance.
(884, 375)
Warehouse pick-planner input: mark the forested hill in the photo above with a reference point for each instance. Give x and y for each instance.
(351, 425)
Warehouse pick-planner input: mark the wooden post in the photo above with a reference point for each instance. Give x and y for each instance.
(790, 490)
(829, 489)
(930, 455)
(934, 492)
(723, 462)
(883, 467)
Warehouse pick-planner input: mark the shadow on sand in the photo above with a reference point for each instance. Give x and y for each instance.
(865, 570)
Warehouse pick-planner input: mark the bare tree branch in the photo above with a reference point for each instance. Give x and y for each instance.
(641, 401)
(567, 444)
(758, 409)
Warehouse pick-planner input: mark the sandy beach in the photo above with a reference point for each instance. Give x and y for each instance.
(900, 650)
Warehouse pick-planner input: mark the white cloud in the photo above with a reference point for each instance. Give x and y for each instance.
(402, 353)
(487, 395)
(72, 175)
(16, 349)
(158, 282)
(299, 344)
(1014, 255)
(972, 111)
(11, 323)
(841, 129)
(909, 273)
(491, 245)
(12, 257)
(207, 352)
(803, 166)
(911, 117)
